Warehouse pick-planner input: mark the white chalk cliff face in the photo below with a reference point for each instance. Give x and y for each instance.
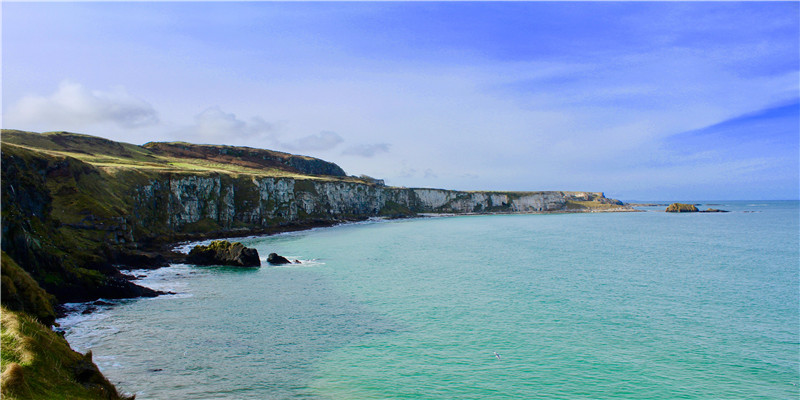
(178, 200)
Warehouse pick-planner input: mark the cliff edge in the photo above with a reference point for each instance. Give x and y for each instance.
(75, 207)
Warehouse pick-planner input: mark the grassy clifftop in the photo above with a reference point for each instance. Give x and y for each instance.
(37, 363)
(172, 157)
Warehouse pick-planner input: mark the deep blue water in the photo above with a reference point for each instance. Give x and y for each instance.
(606, 305)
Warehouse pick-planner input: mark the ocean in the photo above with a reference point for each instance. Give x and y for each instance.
(550, 306)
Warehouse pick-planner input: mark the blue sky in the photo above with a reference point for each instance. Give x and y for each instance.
(675, 100)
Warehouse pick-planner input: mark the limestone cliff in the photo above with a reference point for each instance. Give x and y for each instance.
(228, 203)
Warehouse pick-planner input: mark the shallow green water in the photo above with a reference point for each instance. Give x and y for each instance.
(635, 305)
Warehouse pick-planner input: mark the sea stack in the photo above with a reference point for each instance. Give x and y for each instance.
(275, 259)
(223, 252)
(681, 208)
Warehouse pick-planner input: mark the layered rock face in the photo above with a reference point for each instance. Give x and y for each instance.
(181, 202)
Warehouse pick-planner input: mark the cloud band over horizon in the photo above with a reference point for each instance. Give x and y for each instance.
(640, 100)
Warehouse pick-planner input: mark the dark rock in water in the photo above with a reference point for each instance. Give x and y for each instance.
(680, 208)
(223, 252)
(714, 210)
(297, 262)
(277, 260)
(140, 259)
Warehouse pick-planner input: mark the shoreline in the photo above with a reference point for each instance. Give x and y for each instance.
(174, 250)
(166, 247)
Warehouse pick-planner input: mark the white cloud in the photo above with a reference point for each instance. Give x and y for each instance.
(324, 140)
(214, 124)
(73, 106)
(366, 150)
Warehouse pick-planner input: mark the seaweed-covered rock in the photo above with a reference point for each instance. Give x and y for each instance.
(680, 208)
(223, 252)
(275, 259)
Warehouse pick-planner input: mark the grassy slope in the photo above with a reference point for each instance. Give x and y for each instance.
(113, 157)
(37, 363)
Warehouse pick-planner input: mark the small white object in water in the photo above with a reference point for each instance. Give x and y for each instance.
(497, 355)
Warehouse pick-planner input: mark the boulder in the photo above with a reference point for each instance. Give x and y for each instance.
(277, 260)
(680, 208)
(223, 252)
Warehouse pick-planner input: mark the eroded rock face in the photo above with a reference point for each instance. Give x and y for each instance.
(220, 203)
(223, 252)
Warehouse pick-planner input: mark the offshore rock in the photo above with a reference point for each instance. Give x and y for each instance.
(680, 208)
(275, 259)
(140, 259)
(223, 252)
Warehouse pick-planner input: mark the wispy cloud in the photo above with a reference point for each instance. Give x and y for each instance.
(74, 106)
(214, 124)
(367, 150)
(324, 140)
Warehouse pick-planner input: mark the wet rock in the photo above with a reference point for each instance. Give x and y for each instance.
(223, 252)
(140, 259)
(275, 259)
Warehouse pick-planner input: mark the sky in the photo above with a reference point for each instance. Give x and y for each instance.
(642, 101)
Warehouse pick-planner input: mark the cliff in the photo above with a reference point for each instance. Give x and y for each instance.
(76, 206)
(73, 204)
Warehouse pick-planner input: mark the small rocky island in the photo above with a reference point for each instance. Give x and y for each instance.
(275, 259)
(682, 208)
(223, 252)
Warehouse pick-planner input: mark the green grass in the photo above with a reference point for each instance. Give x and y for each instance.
(20, 292)
(111, 157)
(37, 363)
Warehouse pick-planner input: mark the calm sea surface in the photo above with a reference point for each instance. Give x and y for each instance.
(577, 306)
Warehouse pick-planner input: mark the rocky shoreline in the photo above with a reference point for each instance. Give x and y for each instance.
(78, 208)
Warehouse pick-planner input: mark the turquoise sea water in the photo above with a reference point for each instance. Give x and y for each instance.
(623, 305)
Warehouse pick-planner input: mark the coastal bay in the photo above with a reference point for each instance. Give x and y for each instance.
(577, 305)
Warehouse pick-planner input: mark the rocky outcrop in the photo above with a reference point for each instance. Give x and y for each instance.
(223, 252)
(681, 208)
(275, 259)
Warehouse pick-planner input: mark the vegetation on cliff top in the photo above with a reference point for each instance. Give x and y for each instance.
(178, 157)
